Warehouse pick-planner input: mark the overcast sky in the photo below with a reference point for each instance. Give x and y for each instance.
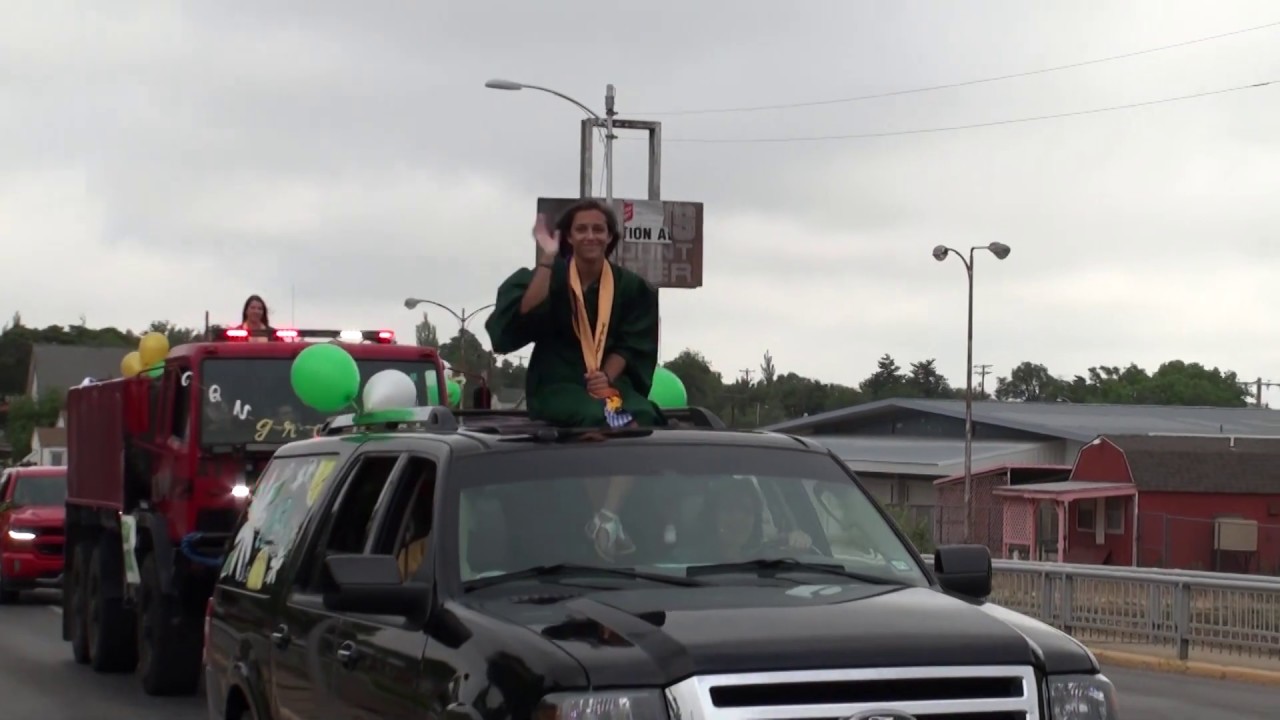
(160, 159)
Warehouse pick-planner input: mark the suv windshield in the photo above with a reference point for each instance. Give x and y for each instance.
(40, 491)
(251, 400)
(685, 508)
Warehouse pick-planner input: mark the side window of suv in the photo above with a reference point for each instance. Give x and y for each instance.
(405, 531)
(351, 520)
(282, 500)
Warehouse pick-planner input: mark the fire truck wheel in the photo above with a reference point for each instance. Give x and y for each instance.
(111, 634)
(169, 648)
(76, 605)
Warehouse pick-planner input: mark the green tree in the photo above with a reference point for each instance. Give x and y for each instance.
(176, 335)
(425, 333)
(25, 415)
(465, 353)
(925, 381)
(1029, 382)
(704, 386)
(887, 381)
(1174, 383)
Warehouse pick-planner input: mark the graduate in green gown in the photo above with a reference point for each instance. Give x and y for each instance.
(594, 330)
(540, 306)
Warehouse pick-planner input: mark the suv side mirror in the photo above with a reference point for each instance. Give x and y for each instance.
(371, 584)
(964, 570)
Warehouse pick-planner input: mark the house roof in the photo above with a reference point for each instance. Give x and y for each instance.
(1070, 421)
(922, 456)
(1067, 490)
(66, 366)
(54, 437)
(1201, 464)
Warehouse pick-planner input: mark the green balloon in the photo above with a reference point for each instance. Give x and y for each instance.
(154, 371)
(433, 394)
(325, 377)
(455, 393)
(668, 391)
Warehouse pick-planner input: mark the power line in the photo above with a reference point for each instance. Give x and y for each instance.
(966, 83)
(950, 128)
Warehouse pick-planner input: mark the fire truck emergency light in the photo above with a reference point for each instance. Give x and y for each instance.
(382, 337)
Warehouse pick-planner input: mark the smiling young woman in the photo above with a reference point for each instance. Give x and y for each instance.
(594, 330)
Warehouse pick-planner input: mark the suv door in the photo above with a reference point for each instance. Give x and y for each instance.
(304, 648)
(380, 656)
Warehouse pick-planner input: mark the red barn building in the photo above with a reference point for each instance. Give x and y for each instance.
(1190, 502)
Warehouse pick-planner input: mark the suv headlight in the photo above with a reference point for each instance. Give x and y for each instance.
(642, 704)
(1082, 697)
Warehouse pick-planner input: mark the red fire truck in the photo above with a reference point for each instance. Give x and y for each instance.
(160, 469)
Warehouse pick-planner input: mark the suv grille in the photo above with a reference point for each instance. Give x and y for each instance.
(928, 693)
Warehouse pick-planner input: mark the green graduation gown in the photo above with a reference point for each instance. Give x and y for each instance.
(555, 388)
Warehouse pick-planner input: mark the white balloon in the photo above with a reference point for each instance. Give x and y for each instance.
(389, 390)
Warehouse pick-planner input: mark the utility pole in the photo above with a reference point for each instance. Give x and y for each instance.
(746, 375)
(983, 371)
(1258, 386)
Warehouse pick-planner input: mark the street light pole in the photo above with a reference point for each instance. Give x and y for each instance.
(610, 113)
(463, 318)
(940, 253)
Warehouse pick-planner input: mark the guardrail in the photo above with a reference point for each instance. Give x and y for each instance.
(1182, 611)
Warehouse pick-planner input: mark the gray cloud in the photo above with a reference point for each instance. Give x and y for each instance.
(169, 160)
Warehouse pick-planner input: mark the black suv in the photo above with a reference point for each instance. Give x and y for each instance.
(441, 565)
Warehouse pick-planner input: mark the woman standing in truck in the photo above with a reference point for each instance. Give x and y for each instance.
(594, 329)
(254, 318)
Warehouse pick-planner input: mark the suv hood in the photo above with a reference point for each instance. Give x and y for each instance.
(38, 516)
(659, 636)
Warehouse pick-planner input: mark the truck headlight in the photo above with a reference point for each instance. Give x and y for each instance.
(644, 704)
(1082, 697)
(21, 534)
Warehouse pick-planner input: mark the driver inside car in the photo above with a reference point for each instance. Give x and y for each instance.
(735, 519)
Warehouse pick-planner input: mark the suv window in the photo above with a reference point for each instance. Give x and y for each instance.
(406, 530)
(287, 490)
(686, 505)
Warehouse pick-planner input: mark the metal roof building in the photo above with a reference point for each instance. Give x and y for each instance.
(893, 442)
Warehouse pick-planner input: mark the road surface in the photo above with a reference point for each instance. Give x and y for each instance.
(38, 680)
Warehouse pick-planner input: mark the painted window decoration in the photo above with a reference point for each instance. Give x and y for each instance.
(285, 493)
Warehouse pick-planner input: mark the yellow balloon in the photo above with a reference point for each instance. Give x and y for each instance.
(153, 347)
(131, 364)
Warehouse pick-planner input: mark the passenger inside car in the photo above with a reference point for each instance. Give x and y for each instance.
(415, 537)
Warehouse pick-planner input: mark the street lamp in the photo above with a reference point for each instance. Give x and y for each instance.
(940, 253)
(462, 317)
(609, 114)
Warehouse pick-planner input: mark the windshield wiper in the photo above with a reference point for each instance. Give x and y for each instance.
(573, 569)
(787, 564)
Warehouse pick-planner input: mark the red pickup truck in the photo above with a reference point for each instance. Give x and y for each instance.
(32, 521)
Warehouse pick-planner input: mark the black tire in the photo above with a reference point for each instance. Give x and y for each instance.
(169, 645)
(7, 594)
(75, 602)
(111, 624)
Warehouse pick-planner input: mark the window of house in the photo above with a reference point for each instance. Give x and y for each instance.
(1115, 515)
(1086, 516)
(57, 457)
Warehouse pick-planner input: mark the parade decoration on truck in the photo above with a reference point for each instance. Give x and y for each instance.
(148, 359)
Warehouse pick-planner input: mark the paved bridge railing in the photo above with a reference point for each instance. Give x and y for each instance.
(1190, 615)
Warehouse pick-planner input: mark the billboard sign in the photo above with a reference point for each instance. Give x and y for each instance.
(661, 239)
